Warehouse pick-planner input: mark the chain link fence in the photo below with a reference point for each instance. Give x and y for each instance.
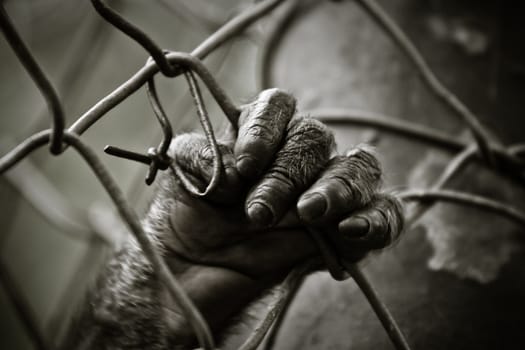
(485, 147)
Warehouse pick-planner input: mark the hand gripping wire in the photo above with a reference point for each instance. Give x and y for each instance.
(158, 158)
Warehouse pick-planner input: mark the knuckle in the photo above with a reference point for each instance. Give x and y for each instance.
(277, 99)
(338, 193)
(272, 184)
(263, 122)
(378, 235)
(393, 211)
(386, 220)
(269, 113)
(353, 185)
(306, 150)
(260, 132)
(364, 162)
(303, 127)
(378, 226)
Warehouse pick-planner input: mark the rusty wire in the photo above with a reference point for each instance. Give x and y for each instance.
(174, 63)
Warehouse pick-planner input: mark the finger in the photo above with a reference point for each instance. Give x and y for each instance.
(375, 226)
(346, 184)
(261, 127)
(297, 164)
(194, 156)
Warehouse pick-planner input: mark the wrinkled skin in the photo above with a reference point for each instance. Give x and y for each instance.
(279, 177)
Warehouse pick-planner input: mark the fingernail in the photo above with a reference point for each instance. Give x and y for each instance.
(354, 227)
(247, 165)
(312, 207)
(260, 214)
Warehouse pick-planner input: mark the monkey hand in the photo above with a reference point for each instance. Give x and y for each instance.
(279, 177)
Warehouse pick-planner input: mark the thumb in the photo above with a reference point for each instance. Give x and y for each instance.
(193, 156)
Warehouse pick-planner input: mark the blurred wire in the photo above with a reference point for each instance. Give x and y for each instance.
(206, 17)
(24, 310)
(136, 34)
(289, 13)
(234, 26)
(38, 76)
(453, 168)
(89, 264)
(468, 199)
(185, 60)
(180, 297)
(388, 123)
(183, 104)
(269, 341)
(45, 198)
(380, 309)
(283, 291)
(174, 63)
(89, 40)
(483, 138)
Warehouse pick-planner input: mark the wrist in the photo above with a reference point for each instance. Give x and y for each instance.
(219, 293)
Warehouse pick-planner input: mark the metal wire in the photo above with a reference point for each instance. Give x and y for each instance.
(167, 131)
(289, 13)
(482, 136)
(210, 136)
(386, 318)
(90, 40)
(285, 289)
(38, 76)
(45, 198)
(175, 63)
(388, 123)
(138, 35)
(466, 199)
(70, 137)
(185, 60)
(177, 292)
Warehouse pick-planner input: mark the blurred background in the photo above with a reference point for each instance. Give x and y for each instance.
(454, 281)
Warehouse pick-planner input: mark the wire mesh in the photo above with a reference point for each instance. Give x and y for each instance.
(485, 148)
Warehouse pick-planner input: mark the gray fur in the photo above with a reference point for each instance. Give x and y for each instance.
(124, 309)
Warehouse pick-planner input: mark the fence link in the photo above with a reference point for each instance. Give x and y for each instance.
(485, 148)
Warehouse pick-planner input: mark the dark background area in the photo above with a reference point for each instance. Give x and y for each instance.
(453, 282)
